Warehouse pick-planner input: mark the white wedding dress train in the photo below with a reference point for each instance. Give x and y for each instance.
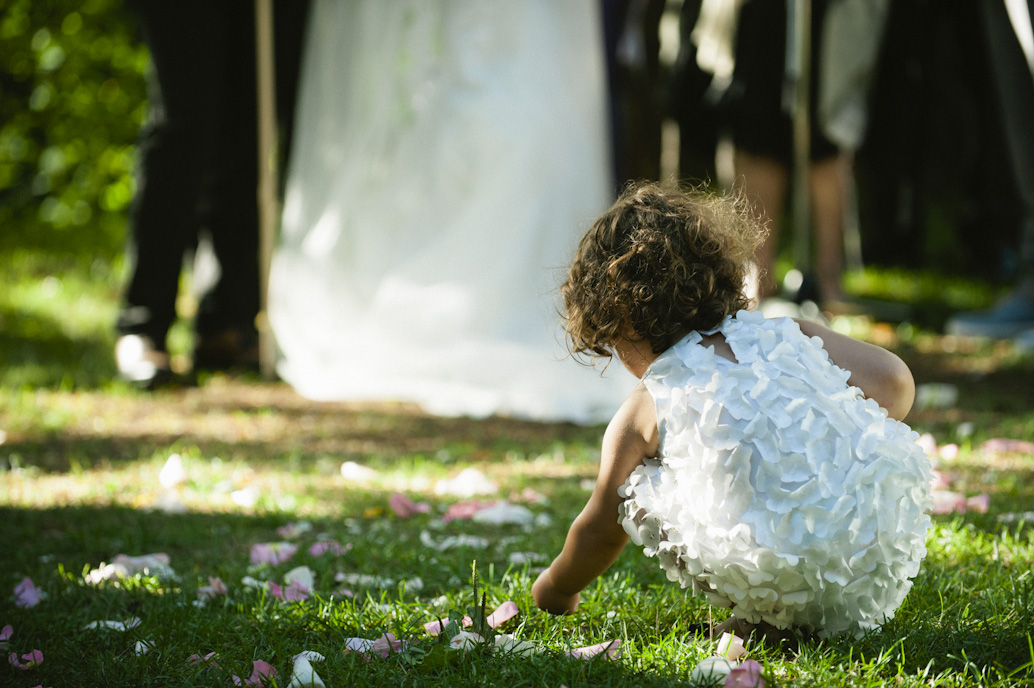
(448, 156)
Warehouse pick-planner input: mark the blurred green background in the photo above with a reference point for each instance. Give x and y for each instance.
(72, 98)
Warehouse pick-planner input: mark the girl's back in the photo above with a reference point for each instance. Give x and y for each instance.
(780, 490)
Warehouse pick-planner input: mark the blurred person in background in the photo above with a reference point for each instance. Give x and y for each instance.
(197, 181)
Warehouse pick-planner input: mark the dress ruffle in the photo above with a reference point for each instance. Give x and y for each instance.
(780, 491)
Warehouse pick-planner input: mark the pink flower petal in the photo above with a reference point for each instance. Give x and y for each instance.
(1000, 444)
(386, 644)
(27, 661)
(401, 505)
(318, 549)
(293, 530)
(215, 587)
(26, 594)
(746, 675)
(506, 611)
(296, 592)
(208, 660)
(434, 627)
(5, 634)
(980, 503)
(261, 673)
(946, 502)
(730, 646)
(465, 510)
(611, 649)
(928, 444)
(272, 553)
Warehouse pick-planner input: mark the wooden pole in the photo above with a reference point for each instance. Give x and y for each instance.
(798, 51)
(269, 207)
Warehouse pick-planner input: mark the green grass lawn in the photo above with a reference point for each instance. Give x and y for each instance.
(80, 465)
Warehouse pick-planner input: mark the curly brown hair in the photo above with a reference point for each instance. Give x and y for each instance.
(664, 260)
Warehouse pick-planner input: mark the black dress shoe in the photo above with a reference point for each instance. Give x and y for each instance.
(227, 350)
(141, 363)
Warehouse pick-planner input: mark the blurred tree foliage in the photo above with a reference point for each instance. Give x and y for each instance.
(72, 98)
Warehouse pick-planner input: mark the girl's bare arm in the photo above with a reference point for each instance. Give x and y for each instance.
(880, 374)
(595, 539)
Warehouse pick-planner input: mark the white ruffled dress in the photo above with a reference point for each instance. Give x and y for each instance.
(780, 491)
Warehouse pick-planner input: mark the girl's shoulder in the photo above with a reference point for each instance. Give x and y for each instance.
(635, 423)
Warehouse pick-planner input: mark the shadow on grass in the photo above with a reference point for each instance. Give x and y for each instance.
(266, 424)
(37, 353)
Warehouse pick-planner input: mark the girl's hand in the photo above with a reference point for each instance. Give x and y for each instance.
(547, 597)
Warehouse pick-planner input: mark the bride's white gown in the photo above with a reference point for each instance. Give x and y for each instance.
(448, 156)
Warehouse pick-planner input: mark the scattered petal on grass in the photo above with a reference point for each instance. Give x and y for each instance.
(333, 547)
(142, 647)
(215, 587)
(518, 558)
(253, 583)
(941, 480)
(304, 676)
(124, 566)
(208, 660)
(272, 553)
(1012, 517)
(260, 674)
(26, 661)
(5, 636)
(26, 594)
(711, 671)
(1005, 446)
(948, 502)
(173, 473)
(303, 576)
(357, 473)
(928, 444)
(531, 496)
(979, 503)
(465, 640)
(363, 580)
(404, 507)
(453, 541)
(358, 645)
(506, 611)
(506, 643)
(131, 622)
(464, 510)
(503, 512)
(746, 675)
(731, 647)
(294, 530)
(468, 483)
(310, 655)
(296, 592)
(610, 649)
(386, 644)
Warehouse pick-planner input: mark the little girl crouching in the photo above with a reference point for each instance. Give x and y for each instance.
(762, 461)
